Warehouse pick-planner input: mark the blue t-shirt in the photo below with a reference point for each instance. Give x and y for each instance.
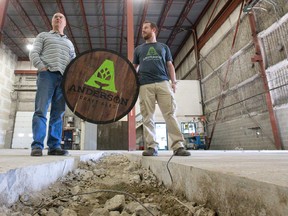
(152, 58)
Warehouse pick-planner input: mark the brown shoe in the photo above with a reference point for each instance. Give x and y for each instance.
(150, 152)
(181, 152)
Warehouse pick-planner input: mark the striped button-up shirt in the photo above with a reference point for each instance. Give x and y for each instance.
(52, 51)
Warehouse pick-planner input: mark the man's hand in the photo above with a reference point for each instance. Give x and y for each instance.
(174, 87)
(44, 69)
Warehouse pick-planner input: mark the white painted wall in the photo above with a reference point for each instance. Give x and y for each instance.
(25, 65)
(188, 99)
(22, 136)
(88, 136)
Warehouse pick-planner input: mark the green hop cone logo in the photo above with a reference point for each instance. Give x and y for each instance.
(103, 77)
(152, 52)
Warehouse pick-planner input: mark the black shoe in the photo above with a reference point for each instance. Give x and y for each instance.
(181, 152)
(150, 152)
(36, 152)
(58, 151)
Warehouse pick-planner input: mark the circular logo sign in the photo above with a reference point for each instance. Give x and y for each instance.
(100, 86)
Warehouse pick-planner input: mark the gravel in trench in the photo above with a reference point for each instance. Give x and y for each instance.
(110, 186)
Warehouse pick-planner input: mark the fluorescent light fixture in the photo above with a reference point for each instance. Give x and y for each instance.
(21, 134)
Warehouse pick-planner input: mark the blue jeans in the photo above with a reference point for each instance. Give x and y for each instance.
(49, 90)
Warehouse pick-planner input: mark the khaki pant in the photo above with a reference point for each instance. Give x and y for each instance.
(162, 93)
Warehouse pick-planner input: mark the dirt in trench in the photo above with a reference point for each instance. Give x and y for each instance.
(110, 186)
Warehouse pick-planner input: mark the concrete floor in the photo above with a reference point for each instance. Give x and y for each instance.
(231, 182)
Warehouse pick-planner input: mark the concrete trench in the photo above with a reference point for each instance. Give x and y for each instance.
(207, 183)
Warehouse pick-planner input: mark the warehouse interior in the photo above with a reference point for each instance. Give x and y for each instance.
(231, 61)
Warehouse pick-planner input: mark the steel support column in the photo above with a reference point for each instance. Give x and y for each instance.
(43, 14)
(104, 24)
(258, 58)
(3, 10)
(130, 50)
(122, 26)
(163, 15)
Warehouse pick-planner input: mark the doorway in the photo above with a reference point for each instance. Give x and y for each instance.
(161, 136)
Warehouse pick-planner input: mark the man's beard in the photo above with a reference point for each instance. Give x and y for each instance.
(147, 36)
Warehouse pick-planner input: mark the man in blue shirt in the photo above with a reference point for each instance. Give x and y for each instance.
(153, 62)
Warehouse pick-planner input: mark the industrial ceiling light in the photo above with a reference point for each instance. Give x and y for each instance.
(29, 47)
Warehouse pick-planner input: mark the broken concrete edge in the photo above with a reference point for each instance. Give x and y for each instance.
(19, 181)
(225, 193)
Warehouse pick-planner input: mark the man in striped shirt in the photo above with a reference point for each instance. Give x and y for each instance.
(52, 52)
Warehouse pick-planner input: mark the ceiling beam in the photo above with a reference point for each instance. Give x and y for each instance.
(212, 14)
(16, 29)
(144, 13)
(187, 7)
(12, 45)
(193, 26)
(43, 14)
(104, 23)
(85, 23)
(163, 15)
(220, 18)
(18, 33)
(60, 5)
(23, 58)
(216, 23)
(25, 17)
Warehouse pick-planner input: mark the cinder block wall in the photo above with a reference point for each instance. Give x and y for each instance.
(8, 63)
(281, 115)
(241, 133)
(243, 123)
